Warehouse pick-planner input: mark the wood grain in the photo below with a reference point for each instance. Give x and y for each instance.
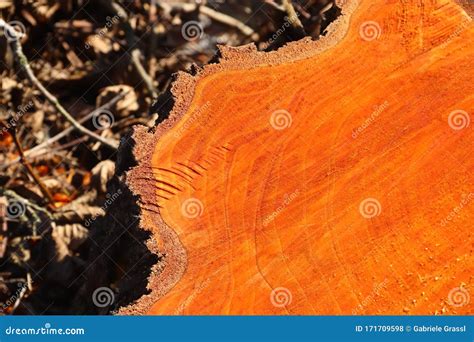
(329, 177)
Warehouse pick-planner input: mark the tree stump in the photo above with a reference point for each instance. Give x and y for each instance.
(328, 177)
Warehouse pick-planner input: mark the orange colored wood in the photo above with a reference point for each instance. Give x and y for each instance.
(330, 177)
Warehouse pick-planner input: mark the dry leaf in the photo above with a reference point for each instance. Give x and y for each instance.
(5, 3)
(77, 213)
(102, 173)
(126, 106)
(73, 235)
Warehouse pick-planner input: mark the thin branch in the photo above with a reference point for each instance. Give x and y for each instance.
(136, 55)
(29, 168)
(213, 14)
(28, 203)
(275, 5)
(68, 130)
(23, 62)
(227, 20)
(43, 148)
(293, 17)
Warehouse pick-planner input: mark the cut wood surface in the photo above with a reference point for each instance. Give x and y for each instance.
(328, 177)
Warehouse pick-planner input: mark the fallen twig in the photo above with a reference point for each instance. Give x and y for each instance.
(33, 218)
(30, 169)
(135, 53)
(65, 132)
(23, 62)
(43, 148)
(293, 17)
(3, 225)
(228, 20)
(215, 15)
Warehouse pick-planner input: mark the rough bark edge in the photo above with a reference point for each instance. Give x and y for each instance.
(165, 275)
